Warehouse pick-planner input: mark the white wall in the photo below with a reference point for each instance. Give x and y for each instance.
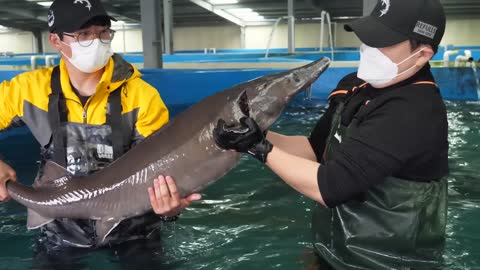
(17, 42)
(306, 36)
(462, 33)
(198, 38)
(128, 40)
(346, 39)
(459, 32)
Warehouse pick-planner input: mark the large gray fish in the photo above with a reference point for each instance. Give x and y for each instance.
(184, 149)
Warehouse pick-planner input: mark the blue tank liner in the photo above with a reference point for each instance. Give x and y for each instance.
(245, 56)
(180, 88)
(190, 86)
(187, 86)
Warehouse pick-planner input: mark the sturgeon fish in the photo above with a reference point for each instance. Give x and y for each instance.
(184, 149)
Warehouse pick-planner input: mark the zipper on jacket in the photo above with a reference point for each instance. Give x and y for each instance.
(84, 109)
(84, 115)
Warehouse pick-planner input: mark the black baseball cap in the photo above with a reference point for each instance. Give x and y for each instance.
(394, 21)
(71, 15)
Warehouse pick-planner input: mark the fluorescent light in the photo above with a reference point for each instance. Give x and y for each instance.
(239, 10)
(223, 2)
(253, 19)
(45, 3)
(250, 16)
(247, 14)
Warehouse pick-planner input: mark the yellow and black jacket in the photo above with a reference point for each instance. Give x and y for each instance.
(24, 100)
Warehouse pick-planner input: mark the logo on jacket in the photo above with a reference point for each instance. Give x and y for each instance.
(89, 5)
(338, 137)
(384, 11)
(50, 18)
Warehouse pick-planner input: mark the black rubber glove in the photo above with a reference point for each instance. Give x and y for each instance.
(246, 137)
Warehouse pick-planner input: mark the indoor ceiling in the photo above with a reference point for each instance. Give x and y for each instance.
(29, 15)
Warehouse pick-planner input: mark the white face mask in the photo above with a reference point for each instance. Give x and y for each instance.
(89, 59)
(376, 68)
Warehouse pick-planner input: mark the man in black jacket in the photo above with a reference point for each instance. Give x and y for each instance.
(376, 161)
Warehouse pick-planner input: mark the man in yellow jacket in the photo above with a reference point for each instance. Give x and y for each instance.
(85, 113)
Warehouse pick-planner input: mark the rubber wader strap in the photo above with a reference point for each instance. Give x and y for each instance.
(57, 114)
(114, 120)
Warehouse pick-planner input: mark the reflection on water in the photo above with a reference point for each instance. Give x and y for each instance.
(463, 239)
(252, 220)
(476, 77)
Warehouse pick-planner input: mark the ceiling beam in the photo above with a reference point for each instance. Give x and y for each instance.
(24, 13)
(260, 6)
(206, 5)
(120, 12)
(22, 27)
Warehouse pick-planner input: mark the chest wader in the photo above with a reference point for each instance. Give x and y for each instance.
(83, 149)
(399, 224)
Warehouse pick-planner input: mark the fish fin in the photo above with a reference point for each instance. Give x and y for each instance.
(35, 220)
(53, 175)
(243, 103)
(104, 227)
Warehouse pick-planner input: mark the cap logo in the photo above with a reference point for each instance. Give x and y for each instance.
(425, 29)
(50, 18)
(89, 6)
(384, 11)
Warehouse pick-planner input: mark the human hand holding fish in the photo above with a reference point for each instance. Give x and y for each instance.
(244, 137)
(165, 198)
(6, 173)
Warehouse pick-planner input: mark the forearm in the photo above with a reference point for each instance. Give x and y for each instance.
(299, 173)
(295, 145)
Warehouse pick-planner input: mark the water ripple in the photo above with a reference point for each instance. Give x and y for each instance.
(250, 219)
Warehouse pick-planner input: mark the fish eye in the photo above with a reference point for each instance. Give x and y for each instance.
(295, 78)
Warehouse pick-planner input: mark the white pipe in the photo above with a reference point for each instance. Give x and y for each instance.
(326, 15)
(243, 37)
(330, 36)
(468, 53)
(291, 26)
(463, 59)
(291, 34)
(446, 57)
(322, 29)
(124, 39)
(33, 61)
(274, 28)
(460, 59)
(49, 60)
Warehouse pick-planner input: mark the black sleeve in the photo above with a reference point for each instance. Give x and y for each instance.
(319, 135)
(381, 145)
(320, 132)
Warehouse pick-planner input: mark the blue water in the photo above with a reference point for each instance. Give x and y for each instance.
(250, 219)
